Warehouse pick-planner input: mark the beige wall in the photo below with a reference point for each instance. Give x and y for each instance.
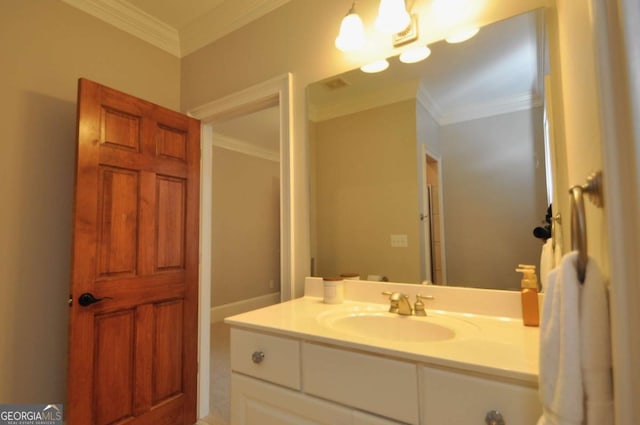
(366, 190)
(245, 227)
(45, 47)
(299, 38)
(494, 192)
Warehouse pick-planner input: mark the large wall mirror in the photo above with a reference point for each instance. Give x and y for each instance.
(434, 171)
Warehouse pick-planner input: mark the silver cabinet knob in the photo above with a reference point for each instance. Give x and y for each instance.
(257, 357)
(494, 418)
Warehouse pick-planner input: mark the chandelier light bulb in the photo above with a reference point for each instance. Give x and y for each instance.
(392, 16)
(373, 67)
(415, 54)
(351, 36)
(463, 35)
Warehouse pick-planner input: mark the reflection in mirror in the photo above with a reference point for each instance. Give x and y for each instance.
(433, 171)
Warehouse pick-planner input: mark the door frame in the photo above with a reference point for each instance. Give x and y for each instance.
(232, 105)
(617, 62)
(425, 231)
(425, 236)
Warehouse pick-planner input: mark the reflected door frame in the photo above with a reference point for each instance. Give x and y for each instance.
(216, 111)
(426, 208)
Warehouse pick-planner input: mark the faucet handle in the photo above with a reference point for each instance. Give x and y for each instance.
(419, 305)
(393, 296)
(394, 299)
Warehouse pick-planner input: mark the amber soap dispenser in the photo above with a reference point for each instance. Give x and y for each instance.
(529, 291)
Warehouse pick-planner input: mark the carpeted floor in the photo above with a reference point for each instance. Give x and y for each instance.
(220, 375)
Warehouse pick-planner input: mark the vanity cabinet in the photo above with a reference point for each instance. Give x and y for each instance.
(280, 381)
(450, 397)
(267, 389)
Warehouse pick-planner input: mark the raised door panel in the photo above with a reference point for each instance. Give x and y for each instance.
(118, 222)
(114, 336)
(171, 142)
(120, 129)
(170, 219)
(167, 353)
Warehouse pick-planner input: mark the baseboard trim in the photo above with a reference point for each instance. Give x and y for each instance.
(220, 312)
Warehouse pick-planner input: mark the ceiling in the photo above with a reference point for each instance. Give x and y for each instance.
(178, 14)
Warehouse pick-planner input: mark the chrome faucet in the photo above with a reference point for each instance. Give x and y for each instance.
(399, 303)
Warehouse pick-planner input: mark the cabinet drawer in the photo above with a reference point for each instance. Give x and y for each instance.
(280, 363)
(454, 398)
(375, 384)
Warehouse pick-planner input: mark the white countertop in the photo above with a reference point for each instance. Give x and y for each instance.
(498, 346)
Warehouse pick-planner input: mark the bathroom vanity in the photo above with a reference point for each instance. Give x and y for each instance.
(306, 362)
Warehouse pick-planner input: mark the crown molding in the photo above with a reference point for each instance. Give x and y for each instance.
(470, 112)
(126, 17)
(243, 147)
(219, 22)
(216, 24)
(424, 99)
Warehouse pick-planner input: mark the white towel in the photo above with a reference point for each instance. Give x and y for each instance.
(575, 359)
(595, 331)
(547, 263)
(560, 374)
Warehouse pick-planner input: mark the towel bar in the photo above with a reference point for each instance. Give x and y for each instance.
(593, 189)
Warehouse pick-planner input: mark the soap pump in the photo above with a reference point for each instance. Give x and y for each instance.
(529, 292)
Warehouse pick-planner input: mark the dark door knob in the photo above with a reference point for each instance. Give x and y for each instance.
(88, 298)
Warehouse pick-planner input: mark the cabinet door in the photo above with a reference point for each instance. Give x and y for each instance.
(255, 402)
(379, 385)
(454, 398)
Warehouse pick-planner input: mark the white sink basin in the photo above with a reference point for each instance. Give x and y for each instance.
(382, 325)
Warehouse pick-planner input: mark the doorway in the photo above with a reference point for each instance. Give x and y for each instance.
(257, 99)
(431, 218)
(245, 255)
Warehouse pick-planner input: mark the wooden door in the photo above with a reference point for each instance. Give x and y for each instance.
(133, 354)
